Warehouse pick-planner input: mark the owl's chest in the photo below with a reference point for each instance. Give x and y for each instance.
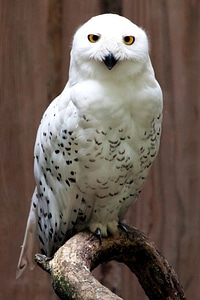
(109, 157)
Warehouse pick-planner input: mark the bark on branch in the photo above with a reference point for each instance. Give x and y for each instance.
(72, 264)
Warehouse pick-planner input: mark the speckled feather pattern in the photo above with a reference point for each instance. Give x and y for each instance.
(94, 146)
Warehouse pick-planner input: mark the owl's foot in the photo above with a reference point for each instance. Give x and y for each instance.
(43, 261)
(103, 230)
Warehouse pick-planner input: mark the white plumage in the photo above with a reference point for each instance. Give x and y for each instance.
(97, 139)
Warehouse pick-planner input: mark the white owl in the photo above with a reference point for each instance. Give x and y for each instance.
(97, 140)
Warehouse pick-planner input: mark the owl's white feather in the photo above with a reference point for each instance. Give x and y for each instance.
(97, 140)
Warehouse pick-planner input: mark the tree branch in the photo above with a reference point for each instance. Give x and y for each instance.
(72, 264)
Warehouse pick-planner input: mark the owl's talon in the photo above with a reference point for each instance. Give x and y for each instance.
(123, 228)
(42, 258)
(99, 235)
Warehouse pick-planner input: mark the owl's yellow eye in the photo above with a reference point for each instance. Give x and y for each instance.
(129, 39)
(93, 38)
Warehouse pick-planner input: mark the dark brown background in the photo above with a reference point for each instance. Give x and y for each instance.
(35, 39)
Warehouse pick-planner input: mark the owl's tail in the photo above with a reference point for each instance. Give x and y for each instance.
(30, 244)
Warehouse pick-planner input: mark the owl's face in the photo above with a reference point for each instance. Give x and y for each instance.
(107, 44)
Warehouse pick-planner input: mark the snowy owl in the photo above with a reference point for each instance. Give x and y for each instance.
(97, 140)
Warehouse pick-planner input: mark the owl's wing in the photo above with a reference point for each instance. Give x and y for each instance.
(30, 244)
(57, 202)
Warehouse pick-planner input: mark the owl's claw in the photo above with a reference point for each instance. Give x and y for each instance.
(99, 235)
(123, 228)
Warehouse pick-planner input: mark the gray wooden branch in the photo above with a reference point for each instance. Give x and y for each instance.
(72, 264)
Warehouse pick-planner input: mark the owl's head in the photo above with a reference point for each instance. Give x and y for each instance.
(109, 45)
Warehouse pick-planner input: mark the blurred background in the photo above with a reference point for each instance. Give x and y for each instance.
(35, 41)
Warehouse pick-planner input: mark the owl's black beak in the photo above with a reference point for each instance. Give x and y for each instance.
(110, 61)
